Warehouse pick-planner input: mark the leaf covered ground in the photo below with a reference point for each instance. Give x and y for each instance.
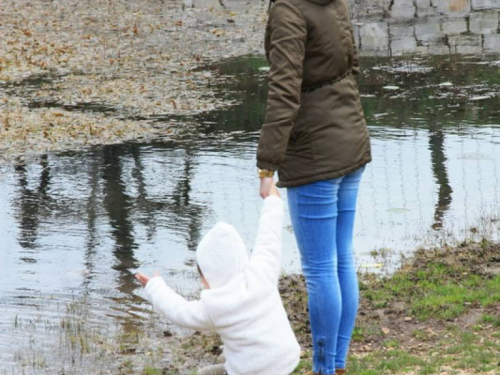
(75, 74)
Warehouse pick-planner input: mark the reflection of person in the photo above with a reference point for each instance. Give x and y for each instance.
(315, 137)
(241, 301)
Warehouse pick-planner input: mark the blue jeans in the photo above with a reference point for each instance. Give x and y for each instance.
(322, 216)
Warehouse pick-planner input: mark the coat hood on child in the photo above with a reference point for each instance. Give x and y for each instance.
(221, 255)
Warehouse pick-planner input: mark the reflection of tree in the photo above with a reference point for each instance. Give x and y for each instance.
(438, 159)
(31, 202)
(124, 210)
(91, 221)
(117, 204)
(182, 202)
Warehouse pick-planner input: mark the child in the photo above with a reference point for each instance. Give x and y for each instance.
(241, 301)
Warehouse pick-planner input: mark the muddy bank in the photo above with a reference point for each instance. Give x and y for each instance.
(74, 74)
(438, 314)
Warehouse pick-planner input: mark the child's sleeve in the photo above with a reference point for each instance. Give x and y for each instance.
(267, 250)
(189, 314)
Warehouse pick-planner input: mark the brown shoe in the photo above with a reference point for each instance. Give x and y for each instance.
(339, 371)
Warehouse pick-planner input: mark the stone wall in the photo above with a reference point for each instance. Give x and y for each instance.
(436, 27)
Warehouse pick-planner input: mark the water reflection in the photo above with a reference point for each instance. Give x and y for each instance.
(32, 201)
(438, 158)
(247, 87)
(182, 200)
(92, 238)
(118, 205)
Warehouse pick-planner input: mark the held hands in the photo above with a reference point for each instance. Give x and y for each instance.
(268, 187)
(143, 279)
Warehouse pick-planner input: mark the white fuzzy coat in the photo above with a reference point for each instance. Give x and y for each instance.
(247, 311)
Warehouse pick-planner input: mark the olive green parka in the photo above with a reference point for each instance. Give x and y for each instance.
(314, 126)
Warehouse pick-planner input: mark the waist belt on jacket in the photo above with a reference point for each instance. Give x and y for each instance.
(321, 84)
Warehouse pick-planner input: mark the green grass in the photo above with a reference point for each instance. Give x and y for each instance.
(380, 362)
(420, 335)
(473, 352)
(439, 291)
(490, 319)
(459, 350)
(365, 330)
(152, 371)
(450, 299)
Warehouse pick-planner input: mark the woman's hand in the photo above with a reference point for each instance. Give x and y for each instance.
(143, 279)
(268, 187)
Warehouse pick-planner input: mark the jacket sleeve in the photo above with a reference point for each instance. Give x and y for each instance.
(189, 314)
(267, 250)
(288, 34)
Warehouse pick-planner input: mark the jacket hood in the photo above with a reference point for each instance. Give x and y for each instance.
(321, 2)
(221, 255)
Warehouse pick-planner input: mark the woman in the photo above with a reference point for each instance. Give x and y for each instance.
(315, 137)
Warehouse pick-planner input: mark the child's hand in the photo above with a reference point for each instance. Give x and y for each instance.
(143, 279)
(274, 191)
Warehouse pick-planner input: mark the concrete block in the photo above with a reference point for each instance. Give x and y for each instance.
(424, 8)
(364, 9)
(374, 36)
(422, 50)
(397, 30)
(492, 43)
(454, 26)
(403, 9)
(466, 44)
(423, 3)
(403, 45)
(381, 4)
(438, 49)
(484, 22)
(485, 4)
(453, 8)
(428, 31)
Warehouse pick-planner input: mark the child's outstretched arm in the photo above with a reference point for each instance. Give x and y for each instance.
(267, 249)
(189, 314)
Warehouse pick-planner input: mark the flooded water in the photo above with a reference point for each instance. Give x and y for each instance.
(76, 226)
